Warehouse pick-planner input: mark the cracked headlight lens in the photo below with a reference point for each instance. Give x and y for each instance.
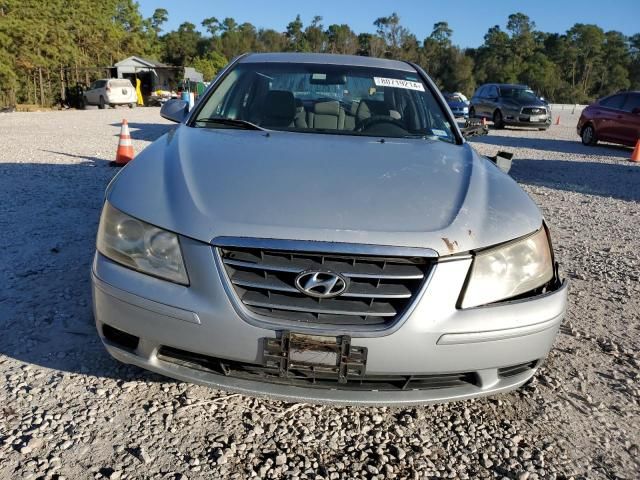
(140, 246)
(509, 270)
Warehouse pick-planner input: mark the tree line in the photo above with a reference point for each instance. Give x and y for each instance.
(45, 46)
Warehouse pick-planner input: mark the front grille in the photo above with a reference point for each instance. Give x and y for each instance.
(250, 371)
(380, 289)
(534, 111)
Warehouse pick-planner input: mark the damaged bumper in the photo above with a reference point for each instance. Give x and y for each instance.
(435, 353)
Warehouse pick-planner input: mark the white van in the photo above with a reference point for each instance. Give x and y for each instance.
(111, 92)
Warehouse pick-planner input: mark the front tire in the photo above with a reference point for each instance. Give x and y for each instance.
(498, 121)
(588, 136)
(102, 104)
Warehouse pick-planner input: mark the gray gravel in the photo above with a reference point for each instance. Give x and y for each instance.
(70, 411)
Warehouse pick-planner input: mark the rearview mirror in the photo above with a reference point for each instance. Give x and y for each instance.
(175, 110)
(327, 79)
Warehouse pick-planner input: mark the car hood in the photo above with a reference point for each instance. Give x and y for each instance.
(208, 183)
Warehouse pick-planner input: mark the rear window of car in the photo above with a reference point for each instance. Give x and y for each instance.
(120, 83)
(614, 101)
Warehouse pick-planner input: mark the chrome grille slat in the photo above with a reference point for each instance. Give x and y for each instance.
(379, 288)
(355, 289)
(534, 111)
(308, 304)
(278, 264)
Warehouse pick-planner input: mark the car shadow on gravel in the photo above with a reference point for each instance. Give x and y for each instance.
(48, 221)
(147, 131)
(614, 180)
(555, 145)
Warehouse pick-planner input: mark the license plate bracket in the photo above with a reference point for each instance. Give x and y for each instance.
(295, 354)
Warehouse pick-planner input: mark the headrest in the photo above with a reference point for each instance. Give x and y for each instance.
(327, 108)
(280, 104)
(369, 108)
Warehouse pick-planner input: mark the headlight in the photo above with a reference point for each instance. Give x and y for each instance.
(140, 246)
(509, 270)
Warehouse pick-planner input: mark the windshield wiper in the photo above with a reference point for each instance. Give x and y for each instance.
(232, 122)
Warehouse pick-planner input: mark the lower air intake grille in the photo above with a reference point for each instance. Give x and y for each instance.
(261, 373)
(378, 289)
(514, 370)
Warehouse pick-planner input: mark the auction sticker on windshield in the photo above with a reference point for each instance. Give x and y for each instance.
(398, 83)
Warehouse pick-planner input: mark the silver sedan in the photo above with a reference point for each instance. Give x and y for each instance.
(316, 229)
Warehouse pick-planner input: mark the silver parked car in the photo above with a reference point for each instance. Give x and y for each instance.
(316, 229)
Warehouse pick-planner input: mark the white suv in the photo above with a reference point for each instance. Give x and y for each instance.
(113, 91)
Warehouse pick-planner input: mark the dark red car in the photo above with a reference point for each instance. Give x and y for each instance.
(614, 119)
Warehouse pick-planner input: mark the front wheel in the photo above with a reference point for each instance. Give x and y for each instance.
(132, 105)
(498, 121)
(101, 104)
(589, 136)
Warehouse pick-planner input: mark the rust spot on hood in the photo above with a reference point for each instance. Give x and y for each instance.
(452, 246)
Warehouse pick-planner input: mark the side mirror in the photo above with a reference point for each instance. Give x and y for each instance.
(503, 161)
(175, 110)
(636, 111)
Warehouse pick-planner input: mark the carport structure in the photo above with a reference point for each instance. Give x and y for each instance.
(154, 75)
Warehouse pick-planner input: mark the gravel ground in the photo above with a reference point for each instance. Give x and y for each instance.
(70, 411)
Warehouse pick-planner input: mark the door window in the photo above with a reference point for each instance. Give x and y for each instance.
(614, 101)
(632, 102)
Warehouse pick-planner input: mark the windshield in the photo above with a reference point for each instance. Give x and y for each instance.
(319, 98)
(519, 93)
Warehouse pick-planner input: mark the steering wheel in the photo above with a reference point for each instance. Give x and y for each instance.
(377, 120)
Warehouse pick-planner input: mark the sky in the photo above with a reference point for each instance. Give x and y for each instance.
(469, 19)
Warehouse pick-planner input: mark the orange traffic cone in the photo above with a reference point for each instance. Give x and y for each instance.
(125, 148)
(635, 155)
(558, 120)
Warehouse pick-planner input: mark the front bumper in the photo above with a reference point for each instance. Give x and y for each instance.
(436, 338)
(524, 120)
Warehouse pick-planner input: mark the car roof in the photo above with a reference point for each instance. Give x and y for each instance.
(327, 58)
